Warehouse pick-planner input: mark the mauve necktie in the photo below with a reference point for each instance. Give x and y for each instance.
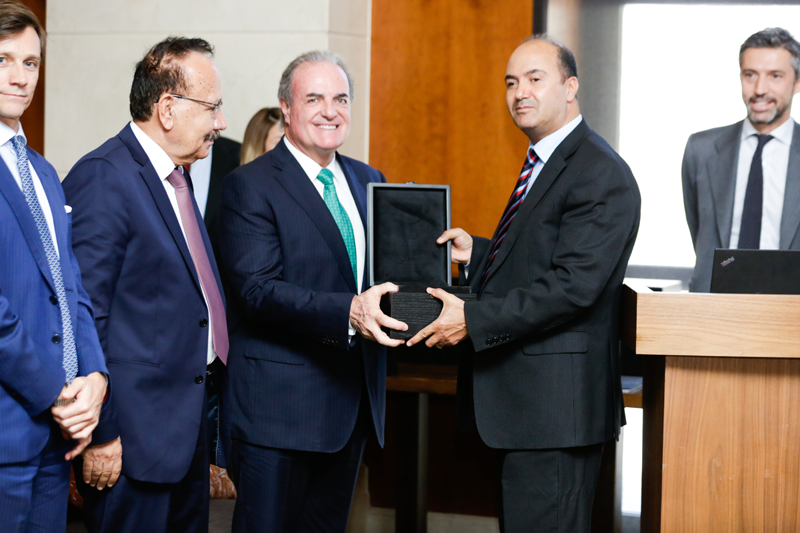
(750, 230)
(511, 210)
(70, 358)
(219, 325)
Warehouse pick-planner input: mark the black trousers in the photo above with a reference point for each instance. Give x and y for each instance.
(290, 491)
(548, 491)
(133, 506)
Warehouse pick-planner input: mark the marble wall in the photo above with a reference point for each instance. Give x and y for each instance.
(94, 44)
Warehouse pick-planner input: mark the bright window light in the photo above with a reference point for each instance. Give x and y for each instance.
(680, 75)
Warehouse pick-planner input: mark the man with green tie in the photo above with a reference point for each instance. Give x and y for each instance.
(307, 369)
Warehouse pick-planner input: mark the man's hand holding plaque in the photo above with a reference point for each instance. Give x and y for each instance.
(367, 318)
(451, 327)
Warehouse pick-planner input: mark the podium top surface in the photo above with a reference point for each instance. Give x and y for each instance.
(710, 325)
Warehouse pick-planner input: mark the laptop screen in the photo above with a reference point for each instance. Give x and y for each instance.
(756, 271)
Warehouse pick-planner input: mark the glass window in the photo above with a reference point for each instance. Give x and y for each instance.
(680, 75)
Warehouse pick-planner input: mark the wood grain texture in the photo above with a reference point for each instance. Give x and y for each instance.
(731, 460)
(714, 325)
(437, 100)
(721, 411)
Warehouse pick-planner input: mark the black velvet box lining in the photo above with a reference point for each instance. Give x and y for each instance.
(405, 222)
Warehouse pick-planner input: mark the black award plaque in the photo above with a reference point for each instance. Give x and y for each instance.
(404, 221)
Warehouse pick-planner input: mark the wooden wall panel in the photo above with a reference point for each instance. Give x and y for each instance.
(33, 119)
(437, 100)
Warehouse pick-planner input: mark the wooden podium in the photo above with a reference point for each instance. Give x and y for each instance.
(721, 410)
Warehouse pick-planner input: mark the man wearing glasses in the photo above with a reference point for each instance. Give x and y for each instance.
(159, 309)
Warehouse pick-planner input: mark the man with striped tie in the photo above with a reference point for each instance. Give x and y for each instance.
(52, 381)
(542, 380)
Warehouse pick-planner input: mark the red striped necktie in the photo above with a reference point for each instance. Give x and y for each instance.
(511, 210)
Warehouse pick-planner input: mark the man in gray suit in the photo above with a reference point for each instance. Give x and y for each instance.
(741, 183)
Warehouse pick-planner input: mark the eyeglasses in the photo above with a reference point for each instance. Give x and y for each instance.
(209, 104)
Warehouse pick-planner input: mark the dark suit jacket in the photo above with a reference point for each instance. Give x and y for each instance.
(709, 185)
(31, 371)
(224, 160)
(295, 380)
(545, 327)
(149, 308)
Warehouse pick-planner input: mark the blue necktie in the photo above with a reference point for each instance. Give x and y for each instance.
(511, 210)
(340, 216)
(70, 361)
(750, 228)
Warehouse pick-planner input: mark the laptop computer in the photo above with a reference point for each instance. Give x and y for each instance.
(756, 271)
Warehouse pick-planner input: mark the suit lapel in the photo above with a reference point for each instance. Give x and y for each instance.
(56, 208)
(358, 189)
(722, 178)
(550, 172)
(16, 199)
(153, 182)
(292, 178)
(359, 193)
(790, 219)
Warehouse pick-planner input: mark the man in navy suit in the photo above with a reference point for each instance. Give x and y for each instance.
(307, 375)
(150, 271)
(52, 370)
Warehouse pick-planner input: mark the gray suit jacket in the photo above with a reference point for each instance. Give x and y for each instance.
(709, 184)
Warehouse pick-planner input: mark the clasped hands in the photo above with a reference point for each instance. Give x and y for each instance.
(78, 416)
(448, 329)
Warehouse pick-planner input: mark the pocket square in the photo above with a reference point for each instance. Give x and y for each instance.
(68, 208)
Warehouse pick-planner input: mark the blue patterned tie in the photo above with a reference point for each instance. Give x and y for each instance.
(340, 216)
(70, 361)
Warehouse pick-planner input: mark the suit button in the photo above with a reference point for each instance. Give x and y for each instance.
(56, 339)
(203, 323)
(198, 380)
(53, 300)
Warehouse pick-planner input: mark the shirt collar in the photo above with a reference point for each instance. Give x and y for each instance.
(162, 163)
(309, 166)
(6, 133)
(545, 147)
(783, 133)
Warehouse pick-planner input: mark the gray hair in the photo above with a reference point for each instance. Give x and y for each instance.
(317, 56)
(774, 38)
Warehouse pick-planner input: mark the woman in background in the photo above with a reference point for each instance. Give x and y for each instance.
(263, 132)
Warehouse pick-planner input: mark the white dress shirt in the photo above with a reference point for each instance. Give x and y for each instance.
(164, 166)
(545, 147)
(9, 155)
(311, 168)
(200, 171)
(775, 163)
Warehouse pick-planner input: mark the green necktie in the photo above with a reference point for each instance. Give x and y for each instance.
(340, 216)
